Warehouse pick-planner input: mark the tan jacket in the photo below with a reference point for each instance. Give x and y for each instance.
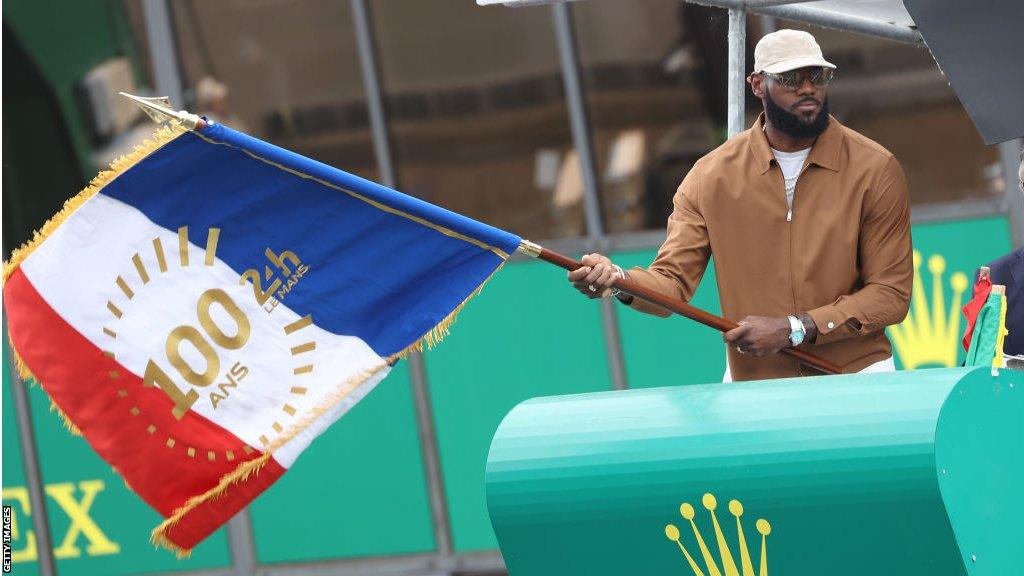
(845, 256)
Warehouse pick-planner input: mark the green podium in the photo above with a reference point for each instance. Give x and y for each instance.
(909, 473)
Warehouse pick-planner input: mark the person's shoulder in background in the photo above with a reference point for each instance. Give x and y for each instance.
(1009, 269)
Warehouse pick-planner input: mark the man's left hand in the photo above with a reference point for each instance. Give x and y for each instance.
(759, 336)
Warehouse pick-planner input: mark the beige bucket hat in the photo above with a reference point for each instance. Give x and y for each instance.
(787, 50)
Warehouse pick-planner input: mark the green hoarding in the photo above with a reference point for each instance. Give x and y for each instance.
(346, 493)
(525, 335)
(946, 257)
(694, 352)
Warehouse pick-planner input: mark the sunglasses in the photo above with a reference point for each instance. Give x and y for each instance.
(794, 79)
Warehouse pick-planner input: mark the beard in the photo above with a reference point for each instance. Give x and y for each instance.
(793, 124)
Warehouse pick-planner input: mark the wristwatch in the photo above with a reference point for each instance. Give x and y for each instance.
(797, 332)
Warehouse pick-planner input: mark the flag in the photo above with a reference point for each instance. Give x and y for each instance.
(207, 307)
(971, 310)
(989, 332)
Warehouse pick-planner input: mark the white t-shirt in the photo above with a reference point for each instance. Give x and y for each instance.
(791, 164)
(887, 365)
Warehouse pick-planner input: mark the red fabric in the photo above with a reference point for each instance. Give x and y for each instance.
(982, 288)
(76, 375)
(212, 514)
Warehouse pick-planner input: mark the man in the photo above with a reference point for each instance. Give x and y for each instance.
(808, 222)
(1009, 271)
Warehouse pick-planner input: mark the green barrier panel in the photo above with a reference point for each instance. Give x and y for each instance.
(946, 255)
(526, 334)
(697, 350)
(351, 484)
(909, 473)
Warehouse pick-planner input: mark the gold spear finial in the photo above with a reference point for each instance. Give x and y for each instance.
(160, 110)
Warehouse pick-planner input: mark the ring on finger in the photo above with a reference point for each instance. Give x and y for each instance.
(741, 350)
(592, 288)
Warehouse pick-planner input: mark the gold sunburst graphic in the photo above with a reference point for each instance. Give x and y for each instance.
(135, 280)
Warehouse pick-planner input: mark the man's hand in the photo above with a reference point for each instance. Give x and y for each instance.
(759, 336)
(595, 277)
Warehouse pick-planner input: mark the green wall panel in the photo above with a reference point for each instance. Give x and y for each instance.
(527, 334)
(358, 490)
(110, 535)
(949, 253)
(673, 350)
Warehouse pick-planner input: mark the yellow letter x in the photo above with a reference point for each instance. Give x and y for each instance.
(81, 522)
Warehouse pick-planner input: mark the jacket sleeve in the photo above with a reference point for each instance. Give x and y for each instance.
(683, 257)
(886, 259)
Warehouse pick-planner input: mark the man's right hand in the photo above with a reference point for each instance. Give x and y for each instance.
(595, 278)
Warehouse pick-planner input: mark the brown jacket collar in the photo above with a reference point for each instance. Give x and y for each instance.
(824, 153)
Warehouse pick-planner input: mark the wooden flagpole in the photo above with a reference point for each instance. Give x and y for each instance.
(674, 305)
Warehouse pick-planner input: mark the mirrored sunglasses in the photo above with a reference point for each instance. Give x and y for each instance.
(820, 77)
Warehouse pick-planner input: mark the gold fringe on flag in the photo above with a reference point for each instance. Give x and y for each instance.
(19, 364)
(64, 418)
(435, 335)
(26, 375)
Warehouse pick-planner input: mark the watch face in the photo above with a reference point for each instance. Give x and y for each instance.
(797, 333)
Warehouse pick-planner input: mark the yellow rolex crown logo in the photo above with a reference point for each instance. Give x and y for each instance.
(726, 564)
(930, 335)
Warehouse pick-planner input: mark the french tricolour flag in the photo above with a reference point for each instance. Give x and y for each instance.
(201, 312)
